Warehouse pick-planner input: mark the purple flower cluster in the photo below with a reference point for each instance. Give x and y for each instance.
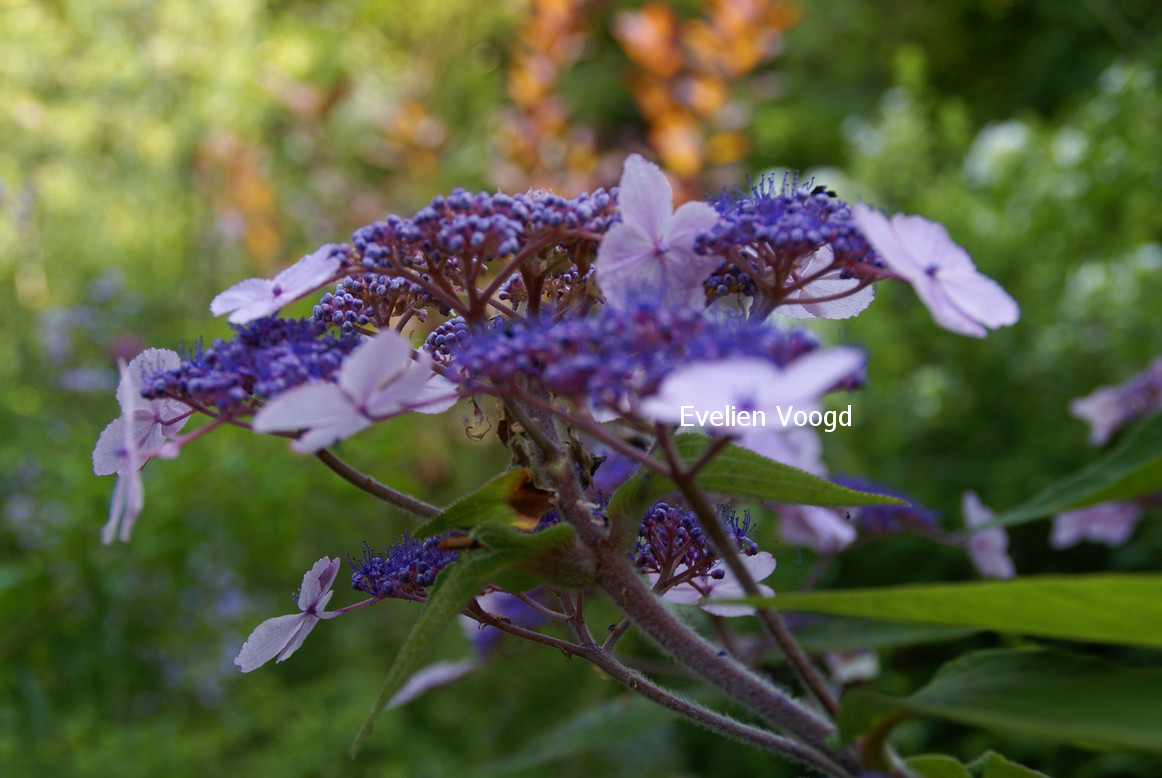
(780, 224)
(404, 570)
(612, 356)
(264, 358)
(671, 543)
(370, 299)
(463, 227)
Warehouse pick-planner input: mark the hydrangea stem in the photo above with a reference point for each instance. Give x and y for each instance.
(773, 622)
(621, 581)
(384, 492)
(636, 682)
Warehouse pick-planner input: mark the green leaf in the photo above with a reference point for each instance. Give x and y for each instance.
(1106, 608)
(936, 766)
(737, 472)
(742, 473)
(843, 634)
(1061, 697)
(1132, 469)
(509, 498)
(992, 765)
(454, 587)
(600, 727)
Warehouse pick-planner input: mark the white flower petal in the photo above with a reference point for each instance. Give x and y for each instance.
(243, 294)
(268, 640)
(373, 364)
(317, 582)
(304, 407)
(644, 195)
(434, 676)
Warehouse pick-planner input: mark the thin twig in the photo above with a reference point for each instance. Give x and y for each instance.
(773, 622)
(384, 492)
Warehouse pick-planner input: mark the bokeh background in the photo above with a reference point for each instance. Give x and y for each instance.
(156, 151)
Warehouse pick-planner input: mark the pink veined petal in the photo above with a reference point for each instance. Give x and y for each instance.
(797, 446)
(689, 220)
(304, 407)
(688, 270)
(930, 245)
(268, 640)
(167, 409)
(812, 375)
(644, 196)
(944, 310)
(708, 387)
(981, 298)
(324, 436)
(243, 293)
(401, 392)
(434, 676)
(316, 582)
(626, 267)
(437, 395)
(822, 530)
(732, 611)
(307, 624)
(759, 565)
(134, 503)
(124, 508)
(988, 550)
(309, 273)
(975, 512)
(883, 237)
(153, 361)
(1101, 410)
(682, 594)
(109, 453)
(256, 310)
(1111, 523)
(373, 364)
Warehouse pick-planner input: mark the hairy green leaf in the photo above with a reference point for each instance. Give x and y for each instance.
(1048, 694)
(1105, 608)
(1132, 469)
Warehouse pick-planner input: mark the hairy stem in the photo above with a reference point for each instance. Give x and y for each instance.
(384, 492)
(773, 622)
(621, 581)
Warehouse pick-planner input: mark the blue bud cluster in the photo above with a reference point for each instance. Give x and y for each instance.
(370, 299)
(404, 570)
(611, 356)
(785, 222)
(263, 359)
(727, 279)
(460, 227)
(672, 544)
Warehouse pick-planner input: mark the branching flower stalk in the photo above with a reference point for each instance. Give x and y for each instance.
(593, 329)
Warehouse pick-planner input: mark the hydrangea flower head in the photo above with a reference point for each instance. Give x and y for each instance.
(960, 298)
(281, 636)
(378, 379)
(650, 254)
(255, 298)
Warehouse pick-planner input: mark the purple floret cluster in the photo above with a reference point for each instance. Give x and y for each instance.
(404, 570)
(783, 222)
(482, 227)
(610, 357)
(264, 359)
(672, 545)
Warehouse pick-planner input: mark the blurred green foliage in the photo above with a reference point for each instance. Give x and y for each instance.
(155, 152)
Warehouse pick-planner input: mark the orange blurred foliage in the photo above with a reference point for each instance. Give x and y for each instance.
(688, 68)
